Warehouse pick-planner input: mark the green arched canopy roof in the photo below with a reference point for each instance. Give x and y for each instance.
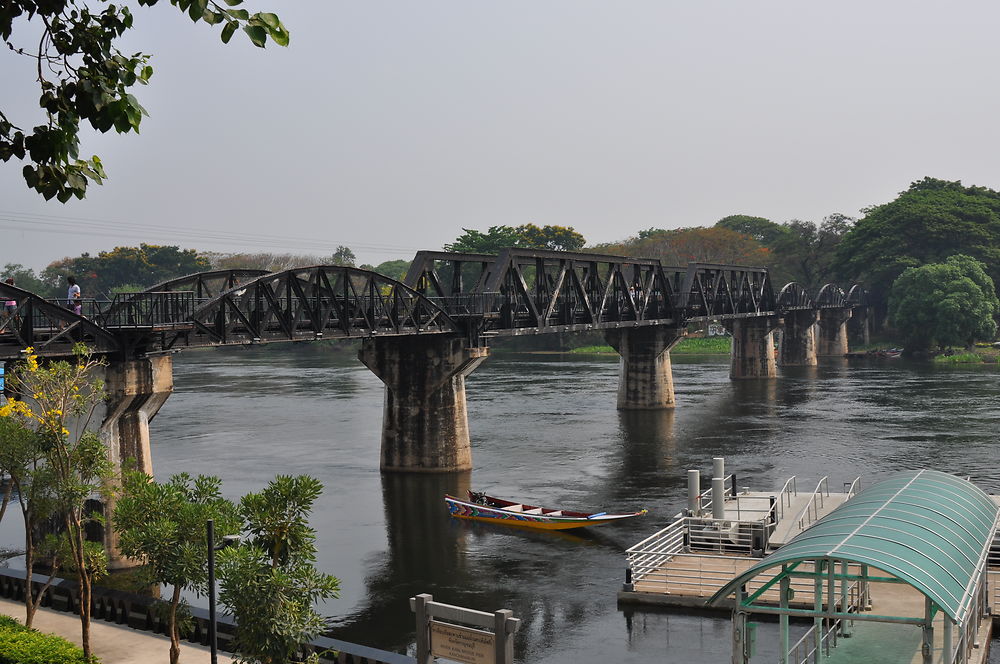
(928, 528)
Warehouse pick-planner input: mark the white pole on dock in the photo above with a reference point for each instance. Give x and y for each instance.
(719, 467)
(694, 492)
(718, 498)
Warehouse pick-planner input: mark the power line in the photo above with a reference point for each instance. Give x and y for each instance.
(39, 223)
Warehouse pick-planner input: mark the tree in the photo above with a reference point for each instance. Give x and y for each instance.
(805, 252)
(269, 582)
(948, 303)
(58, 397)
(142, 266)
(163, 526)
(84, 77)
(22, 457)
(393, 269)
(681, 246)
(927, 223)
(493, 241)
(760, 229)
(25, 277)
(343, 256)
(529, 236)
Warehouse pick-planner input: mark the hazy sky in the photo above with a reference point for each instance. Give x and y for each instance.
(389, 126)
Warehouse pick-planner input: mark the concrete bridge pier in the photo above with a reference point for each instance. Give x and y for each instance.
(425, 426)
(859, 326)
(646, 381)
(832, 337)
(752, 354)
(136, 390)
(798, 339)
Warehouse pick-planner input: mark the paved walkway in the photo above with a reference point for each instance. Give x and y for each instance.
(113, 644)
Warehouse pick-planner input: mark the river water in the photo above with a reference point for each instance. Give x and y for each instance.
(545, 430)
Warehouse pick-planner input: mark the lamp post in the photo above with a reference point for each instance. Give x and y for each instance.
(227, 540)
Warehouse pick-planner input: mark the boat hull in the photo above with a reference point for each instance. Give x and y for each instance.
(462, 509)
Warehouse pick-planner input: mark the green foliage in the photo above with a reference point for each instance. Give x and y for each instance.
(140, 267)
(950, 303)
(686, 346)
(26, 279)
(959, 358)
(760, 229)
(928, 222)
(393, 269)
(51, 399)
(497, 238)
(805, 251)
(269, 582)
(164, 526)
(126, 288)
(343, 256)
(22, 645)
(84, 77)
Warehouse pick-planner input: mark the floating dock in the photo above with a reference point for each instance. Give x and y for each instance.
(713, 554)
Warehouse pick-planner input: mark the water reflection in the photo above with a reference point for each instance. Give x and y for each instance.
(545, 430)
(424, 554)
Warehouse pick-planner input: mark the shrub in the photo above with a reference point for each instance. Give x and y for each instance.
(20, 645)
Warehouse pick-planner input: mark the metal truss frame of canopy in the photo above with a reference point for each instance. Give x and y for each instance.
(927, 529)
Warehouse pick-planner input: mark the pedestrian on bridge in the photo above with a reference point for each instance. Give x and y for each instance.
(73, 302)
(10, 306)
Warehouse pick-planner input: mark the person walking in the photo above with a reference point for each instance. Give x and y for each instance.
(73, 302)
(9, 306)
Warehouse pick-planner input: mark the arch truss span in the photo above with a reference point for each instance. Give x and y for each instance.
(857, 296)
(322, 301)
(206, 285)
(48, 327)
(794, 297)
(831, 296)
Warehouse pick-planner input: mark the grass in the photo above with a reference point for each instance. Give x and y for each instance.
(687, 346)
(960, 358)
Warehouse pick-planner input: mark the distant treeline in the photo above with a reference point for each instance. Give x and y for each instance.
(927, 223)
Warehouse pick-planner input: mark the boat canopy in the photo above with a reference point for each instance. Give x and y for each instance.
(927, 528)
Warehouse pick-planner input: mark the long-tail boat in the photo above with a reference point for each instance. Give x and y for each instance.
(481, 507)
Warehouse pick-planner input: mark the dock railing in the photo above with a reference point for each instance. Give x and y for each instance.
(705, 497)
(694, 536)
(788, 491)
(810, 511)
(804, 650)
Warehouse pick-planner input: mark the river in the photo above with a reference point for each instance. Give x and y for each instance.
(545, 430)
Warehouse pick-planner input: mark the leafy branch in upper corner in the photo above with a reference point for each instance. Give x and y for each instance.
(83, 76)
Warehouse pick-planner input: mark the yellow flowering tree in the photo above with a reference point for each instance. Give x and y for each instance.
(22, 460)
(57, 401)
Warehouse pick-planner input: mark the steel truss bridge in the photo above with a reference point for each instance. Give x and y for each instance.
(477, 296)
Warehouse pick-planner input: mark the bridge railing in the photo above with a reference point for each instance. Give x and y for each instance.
(152, 309)
(470, 304)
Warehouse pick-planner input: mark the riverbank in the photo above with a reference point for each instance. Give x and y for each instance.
(686, 346)
(978, 354)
